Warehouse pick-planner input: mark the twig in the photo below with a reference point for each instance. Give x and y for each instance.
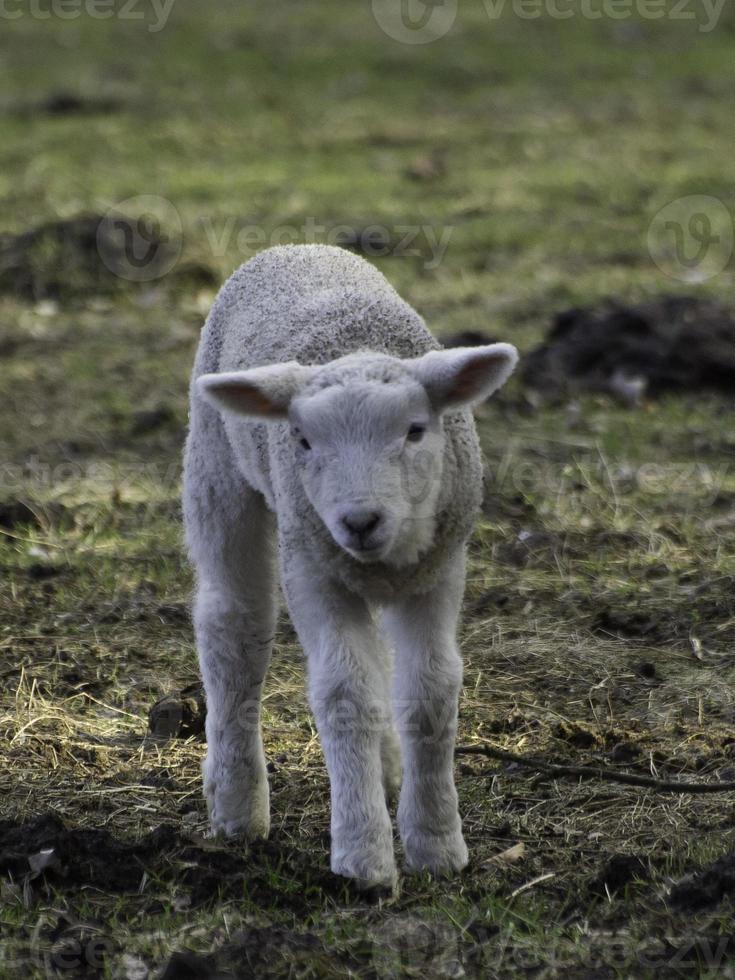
(594, 772)
(533, 883)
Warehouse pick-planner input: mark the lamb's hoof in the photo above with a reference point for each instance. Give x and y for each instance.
(234, 812)
(368, 871)
(441, 854)
(240, 829)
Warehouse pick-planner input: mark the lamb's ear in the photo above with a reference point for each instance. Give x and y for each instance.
(464, 375)
(263, 392)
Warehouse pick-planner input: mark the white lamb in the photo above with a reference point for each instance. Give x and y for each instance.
(325, 418)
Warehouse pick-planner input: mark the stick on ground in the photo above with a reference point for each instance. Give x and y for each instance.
(594, 772)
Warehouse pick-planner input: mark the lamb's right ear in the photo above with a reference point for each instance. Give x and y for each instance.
(263, 392)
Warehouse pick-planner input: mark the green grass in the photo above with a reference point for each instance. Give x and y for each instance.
(541, 150)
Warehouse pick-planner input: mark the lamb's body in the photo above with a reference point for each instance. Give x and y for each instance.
(314, 304)
(243, 491)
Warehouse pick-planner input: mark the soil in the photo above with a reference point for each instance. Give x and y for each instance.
(670, 343)
(79, 256)
(706, 888)
(56, 259)
(619, 871)
(179, 715)
(45, 850)
(65, 103)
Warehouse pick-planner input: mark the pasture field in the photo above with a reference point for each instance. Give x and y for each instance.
(503, 173)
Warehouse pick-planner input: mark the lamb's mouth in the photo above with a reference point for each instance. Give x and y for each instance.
(368, 553)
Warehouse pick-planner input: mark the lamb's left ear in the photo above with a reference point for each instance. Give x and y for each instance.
(464, 375)
(263, 392)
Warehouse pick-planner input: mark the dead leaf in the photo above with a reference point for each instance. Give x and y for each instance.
(697, 648)
(45, 858)
(511, 855)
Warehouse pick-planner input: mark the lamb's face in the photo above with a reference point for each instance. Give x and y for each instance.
(369, 454)
(367, 435)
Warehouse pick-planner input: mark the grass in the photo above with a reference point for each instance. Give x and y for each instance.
(599, 620)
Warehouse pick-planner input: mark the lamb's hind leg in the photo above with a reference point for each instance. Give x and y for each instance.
(231, 541)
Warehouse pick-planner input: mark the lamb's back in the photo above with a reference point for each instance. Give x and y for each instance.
(312, 303)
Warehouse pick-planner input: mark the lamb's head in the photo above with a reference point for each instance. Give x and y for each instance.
(367, 435)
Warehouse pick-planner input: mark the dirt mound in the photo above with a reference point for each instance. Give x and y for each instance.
(82, 857)
(93, 254)
(619, 871)
(15, 513)
(65, 258)
(64, 103)
(668, 344)
(706, 888)
(263, 952)
(179, 715)
(74, 858)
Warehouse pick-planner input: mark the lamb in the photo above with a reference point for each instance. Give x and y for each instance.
(331, 436)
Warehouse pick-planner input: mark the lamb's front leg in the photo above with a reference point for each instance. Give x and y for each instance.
(348, 696)
(428, 676)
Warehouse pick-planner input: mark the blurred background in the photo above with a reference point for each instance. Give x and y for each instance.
(554, 173)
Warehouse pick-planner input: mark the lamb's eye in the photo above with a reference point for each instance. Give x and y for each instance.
(416, 433)
(304, 443)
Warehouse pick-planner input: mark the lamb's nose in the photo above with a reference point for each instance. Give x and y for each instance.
(360, 521)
